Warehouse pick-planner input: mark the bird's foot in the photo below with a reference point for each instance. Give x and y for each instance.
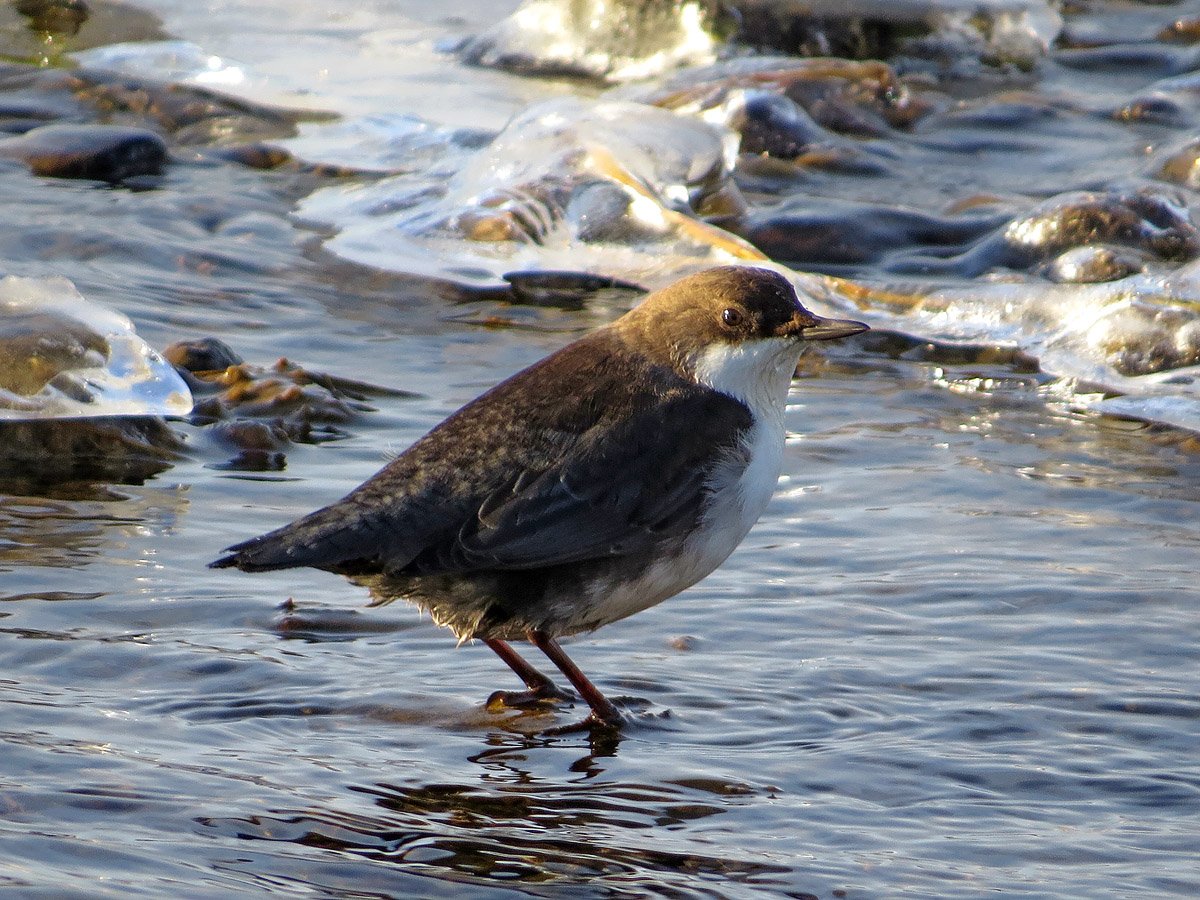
(633, 712)
(593, 724)
(535, 696)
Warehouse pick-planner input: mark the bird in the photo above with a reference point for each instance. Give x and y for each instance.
(598, 482)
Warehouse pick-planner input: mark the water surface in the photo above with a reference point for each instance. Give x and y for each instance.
(957, 656)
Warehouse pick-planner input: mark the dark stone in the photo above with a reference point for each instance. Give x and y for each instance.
(1133, 228)
(99, 152)
(54, 16)
(43, 31)
(777, 126)
(1155, 224)
(566, 290)
(126, 449)
(202, 355)
(256, 156)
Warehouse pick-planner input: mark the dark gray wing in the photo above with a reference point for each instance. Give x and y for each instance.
(620, 490)
(519, 479)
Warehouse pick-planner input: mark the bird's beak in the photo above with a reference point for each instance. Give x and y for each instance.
(807, 327)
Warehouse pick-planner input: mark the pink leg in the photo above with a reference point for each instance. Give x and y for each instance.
(603, 711)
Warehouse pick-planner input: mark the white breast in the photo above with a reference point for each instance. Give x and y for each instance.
(741, 486)
(758, 374)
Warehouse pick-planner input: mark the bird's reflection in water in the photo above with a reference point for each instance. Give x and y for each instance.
(515, 826)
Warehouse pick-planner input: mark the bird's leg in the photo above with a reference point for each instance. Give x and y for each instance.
(540, 686)
(603, 712)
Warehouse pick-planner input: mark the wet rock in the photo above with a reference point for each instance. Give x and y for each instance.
(1184, 30)
(260, 412)
(775, 125)
(183, 114)
(1103, 24)
(1173, 102)
(1128, 230)
(97, 152)
(1181, 165)
(611, 187)
(1155, 223)
(62, 356)
(1017, 33)
(1151, 60)
(258, 446)
(80, 394)
(864, 99)
(19, 114)
(567, 290)
(1094, 263)
(1141, 327)
(899, 345)
(1155, 107)
(1009, 111)
(821, 234)
(612, 41)
(257, 155)
(201, 355)
(188, 114)
(122, 449)
(36, 346)
(284, 394)
(1141, 338)
(42, 31)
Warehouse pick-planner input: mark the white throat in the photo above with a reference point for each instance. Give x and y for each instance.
(756, 372)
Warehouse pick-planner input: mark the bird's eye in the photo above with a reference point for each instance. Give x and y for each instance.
(732, 317)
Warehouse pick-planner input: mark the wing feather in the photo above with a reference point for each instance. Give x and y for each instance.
(620, 490)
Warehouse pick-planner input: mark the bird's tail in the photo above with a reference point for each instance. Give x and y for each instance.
(333, 538)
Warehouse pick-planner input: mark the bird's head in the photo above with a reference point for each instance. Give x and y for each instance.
(737, 329)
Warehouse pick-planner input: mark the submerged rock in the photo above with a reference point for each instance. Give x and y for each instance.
(1181, 165)
(611, 188)
(1138, 336)
(826, 235)
(81, 395)
(1154, 222)
(1066, 236)
(1094, 263)
(62, 356)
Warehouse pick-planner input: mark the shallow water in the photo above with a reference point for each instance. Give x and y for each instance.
(958, 655)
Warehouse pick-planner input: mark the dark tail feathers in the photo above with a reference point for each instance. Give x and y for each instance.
(332, 538)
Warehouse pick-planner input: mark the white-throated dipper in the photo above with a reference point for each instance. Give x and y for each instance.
(592, 485)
